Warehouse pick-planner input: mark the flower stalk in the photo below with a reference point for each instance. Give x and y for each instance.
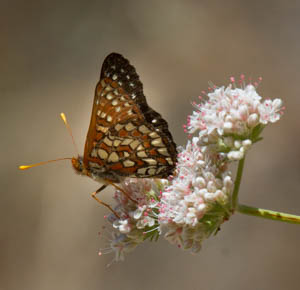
(255, 211)
(237, 184)
(268, 214)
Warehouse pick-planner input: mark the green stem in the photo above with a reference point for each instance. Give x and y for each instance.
(268, 214)
(237, 184)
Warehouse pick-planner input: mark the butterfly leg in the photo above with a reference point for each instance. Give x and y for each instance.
(121, 189)
(103, 203)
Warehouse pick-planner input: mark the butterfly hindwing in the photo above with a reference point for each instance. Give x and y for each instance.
(126, 137)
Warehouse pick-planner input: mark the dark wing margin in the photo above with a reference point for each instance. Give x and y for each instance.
(118, 68)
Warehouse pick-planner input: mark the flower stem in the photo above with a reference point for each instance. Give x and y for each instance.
(237, 184)
(268, 214)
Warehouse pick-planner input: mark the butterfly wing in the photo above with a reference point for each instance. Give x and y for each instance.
(126, 137)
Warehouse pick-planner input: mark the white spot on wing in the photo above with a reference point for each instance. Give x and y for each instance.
(117, 142)
(126, 141)
(143, 129)
(163, 151)
(108, 88)
(151, 171)
(169, 160)
(150, 161)
(128, 163)
(157, 142)
(134, 144)
(101, 128)
(153, 135)
(102, 153)
(107, 141)
(140, 147)
(109, 96)
(141, 154)
(129, 127)
(113, 157)
(118, 127)
(142, 171)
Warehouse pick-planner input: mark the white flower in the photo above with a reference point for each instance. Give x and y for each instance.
(200, 188)
(137, 218)
(120, 245)
(270, 111)
(123, 226)
(230, 115)
(145, 221)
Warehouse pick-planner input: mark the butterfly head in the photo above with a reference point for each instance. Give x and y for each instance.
(77, 164)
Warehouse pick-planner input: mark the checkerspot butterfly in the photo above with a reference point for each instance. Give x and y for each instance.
(126, 138)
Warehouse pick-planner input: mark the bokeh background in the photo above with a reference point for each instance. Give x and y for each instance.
(50, 60)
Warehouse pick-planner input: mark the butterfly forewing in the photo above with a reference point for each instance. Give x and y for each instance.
(126, 137)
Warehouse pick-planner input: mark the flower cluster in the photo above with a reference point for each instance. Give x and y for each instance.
(198, 199)
(135, 216)
(194, 203)
(232, 118)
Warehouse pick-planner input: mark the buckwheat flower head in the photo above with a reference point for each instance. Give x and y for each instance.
(137, 216)
(197, 201)
(233, 117)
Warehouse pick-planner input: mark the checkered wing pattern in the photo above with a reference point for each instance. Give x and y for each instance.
(126, 137)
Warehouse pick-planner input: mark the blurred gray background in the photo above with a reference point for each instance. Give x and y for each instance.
(51, 55)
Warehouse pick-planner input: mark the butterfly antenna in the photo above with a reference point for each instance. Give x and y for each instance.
(63, 116)
(24, 167)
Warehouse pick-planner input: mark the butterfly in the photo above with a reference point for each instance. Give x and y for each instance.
(126, 137)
